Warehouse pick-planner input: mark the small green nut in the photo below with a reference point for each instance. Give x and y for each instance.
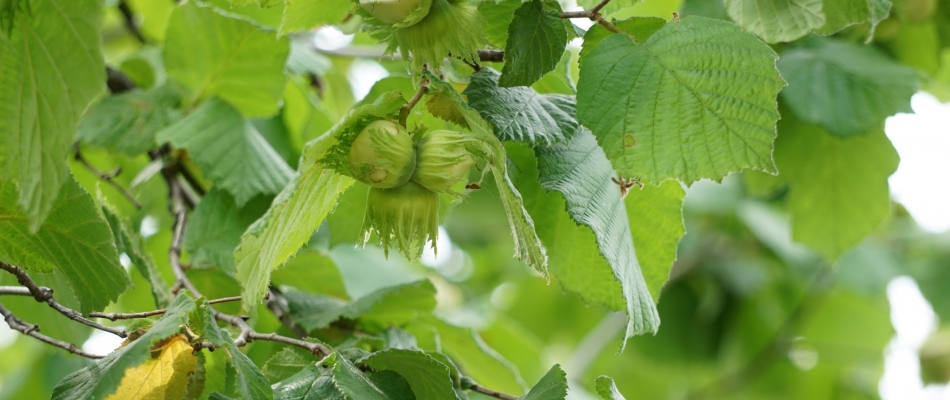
(443, 160)
(405, 217)
(383, 155)
(399, 13)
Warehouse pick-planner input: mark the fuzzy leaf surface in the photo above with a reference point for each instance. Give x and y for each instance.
(847, 88)
(695, 100)
(127, 123)
(777, 20)
(73, 240)
(215, 55)
(51, 68)
(428, 378)
(230, 150)
(519, 113)
(353, 382)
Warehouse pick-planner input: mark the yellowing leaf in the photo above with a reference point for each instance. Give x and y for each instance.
(164, 376)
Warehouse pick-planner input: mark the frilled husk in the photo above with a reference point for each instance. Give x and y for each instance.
(443, 159)
(406, 217)
(380, 158)
(397, 12)
(451, 28)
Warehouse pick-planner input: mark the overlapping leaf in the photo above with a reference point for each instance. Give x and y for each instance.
(214, 55)
(249, 380)
(302, 15)
(428, 378)
(102, 378)
(847, 88)
(842, 13)
(838, 187)
(48, 74)
(695, 100)
(129, 242)
(73, 240)
(164, 376)
(351, 381)
(521, 114)
(229, 150)
(390, 306)
(777, 20)
(314, 382)
(127, 123)
(553, 385)
(217, 224)
(298, 210)
(536, 40)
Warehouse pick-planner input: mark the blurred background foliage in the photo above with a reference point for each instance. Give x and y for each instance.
(747, 313)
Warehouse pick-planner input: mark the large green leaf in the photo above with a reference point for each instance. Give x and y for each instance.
(838, 187)
(51, 68)
(655, 214)
(428, 378)
(498, 16)
(606, 389)
(314, 382)
(351, 381)
(129, 242)
(312, 272)
(581, 172)
(215, 55)
(249, 381)
(536, 41)
(390, 306)
(847, 88)
(842, 13)
(300, 15)
(696, 100)
(229, 150)
(519, 113)
(102, 378)
(73, 240)
(528, 247)
(777, 20)
(552, 386)
(298, 210)
(216, 227)
(127, 123)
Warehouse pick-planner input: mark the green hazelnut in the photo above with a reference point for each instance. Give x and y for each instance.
(382, 155)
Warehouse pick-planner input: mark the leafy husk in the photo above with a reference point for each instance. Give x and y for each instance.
(405, 217)
(396, 12)
(382, 155)
(452, 28)
(443, 159)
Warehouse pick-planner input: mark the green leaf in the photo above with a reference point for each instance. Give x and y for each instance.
(214, 55)
(839, 14)
(581, 172)
(606, 389)
(314, 382)
(49, 75)
(300, 15)
(298, 210)
(216, 226)
(696, 100)
(127, 123)
(351, 208)
(655, 214)
(73, 240)
(536, 41)
(704, 8)
(312, 272)
(129, 242)
(428, 378)
(641, 28)
(498, 16)
(528, 247)
(519, 113)
(288, 362)
(250, 381)
(838, 190)
(102, 378)
(229, 150)
(847, 88)
(351, 381)
(552, 386)
(777, 20)
(393, 384)
(389, 306)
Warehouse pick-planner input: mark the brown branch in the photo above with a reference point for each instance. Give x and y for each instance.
(106, 176)
(129, 18)
(407, 108)
(593, 14)
(491, 55)
(248, 335)
(146, 314)
(277, 305)
(492, 393)
(45, 295)
(15, 291)
(33, 331)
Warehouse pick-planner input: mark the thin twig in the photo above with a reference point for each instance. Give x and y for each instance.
(45, 295)
(277, 305)
(407, 108)
(248, 335)
(129, 18)
(593, 14)
(146, 314)
(106, 176)
(33, 330)
(15, 291)
(492, 393)
(599, 6)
